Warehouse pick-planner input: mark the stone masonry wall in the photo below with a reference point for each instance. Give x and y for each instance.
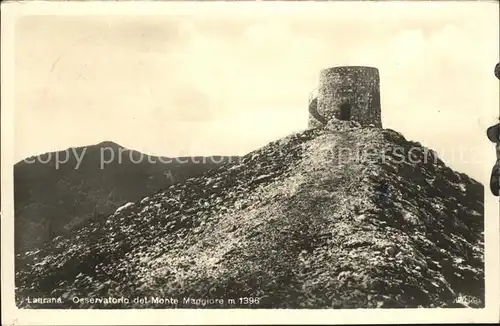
(355, 86)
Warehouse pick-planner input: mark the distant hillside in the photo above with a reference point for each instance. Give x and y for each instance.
(295, 224)
(53, 199)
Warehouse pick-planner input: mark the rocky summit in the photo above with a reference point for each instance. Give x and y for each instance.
(341, 216)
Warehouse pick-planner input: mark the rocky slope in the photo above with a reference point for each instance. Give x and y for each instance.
(329, 217)
(54, 198)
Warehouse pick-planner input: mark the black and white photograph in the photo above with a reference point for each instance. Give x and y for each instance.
(220, 159)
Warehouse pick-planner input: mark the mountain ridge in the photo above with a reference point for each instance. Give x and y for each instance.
(55, 194)
(288, 224)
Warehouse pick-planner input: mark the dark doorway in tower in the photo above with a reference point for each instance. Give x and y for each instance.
(345, 111)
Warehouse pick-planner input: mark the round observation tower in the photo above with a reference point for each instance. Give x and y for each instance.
(347, 93)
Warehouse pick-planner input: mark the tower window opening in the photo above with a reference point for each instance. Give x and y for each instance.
(345, 111)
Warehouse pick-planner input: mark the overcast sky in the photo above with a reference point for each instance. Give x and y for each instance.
(203, 82)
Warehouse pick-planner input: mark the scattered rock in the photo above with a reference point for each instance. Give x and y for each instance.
(310, 234)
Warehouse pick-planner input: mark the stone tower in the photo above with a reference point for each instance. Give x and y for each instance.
(347, 93)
